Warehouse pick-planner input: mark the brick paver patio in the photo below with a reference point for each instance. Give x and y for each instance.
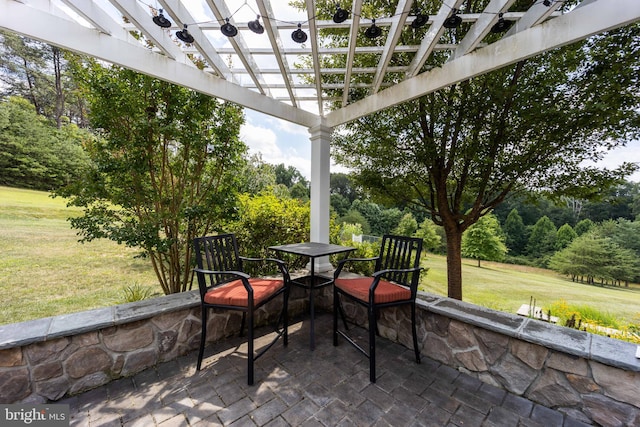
(299, 387)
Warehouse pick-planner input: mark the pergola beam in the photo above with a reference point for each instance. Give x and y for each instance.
(69, 35)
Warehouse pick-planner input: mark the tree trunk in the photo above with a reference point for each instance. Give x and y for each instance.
(454, 263)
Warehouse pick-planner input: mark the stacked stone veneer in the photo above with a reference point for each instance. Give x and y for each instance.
(591, 378)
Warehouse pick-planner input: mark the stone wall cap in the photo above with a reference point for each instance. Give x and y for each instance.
(145, 309)
(613, 352)
(568, 340)
(23, 333)
(38, 330)
(80, 322)
(497, 321)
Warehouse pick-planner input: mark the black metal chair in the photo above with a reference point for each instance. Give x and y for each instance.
(223, 284)
(394, 283)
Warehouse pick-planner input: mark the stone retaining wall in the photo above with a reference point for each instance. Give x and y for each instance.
(592, 378)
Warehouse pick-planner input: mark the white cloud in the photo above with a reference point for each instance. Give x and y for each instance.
(614, 158)
(261, 139)
(269, 143)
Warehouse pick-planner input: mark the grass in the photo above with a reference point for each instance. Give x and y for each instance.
(505, 287)
(44, 271)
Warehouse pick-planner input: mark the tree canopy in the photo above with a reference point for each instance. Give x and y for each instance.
(165, 167)
(459, 152)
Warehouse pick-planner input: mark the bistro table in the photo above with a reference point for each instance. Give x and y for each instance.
(312, 250)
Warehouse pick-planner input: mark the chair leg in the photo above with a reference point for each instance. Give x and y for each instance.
(244, 318)
(285, 319)
(336, 302)
(203, 336)
(373, 326)
(250, 358)
(415, 335)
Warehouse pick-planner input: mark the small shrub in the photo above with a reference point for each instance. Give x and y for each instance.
(363, 250)
(136, 292)
(589, 319)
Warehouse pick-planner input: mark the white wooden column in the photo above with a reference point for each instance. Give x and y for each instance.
(320, 169)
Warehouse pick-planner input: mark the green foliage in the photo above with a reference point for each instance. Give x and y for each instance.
(355, 217)
(592, 257)
(137, 292)
(428, 231)
(289, 176)
(583, 226)
(542, 240)
(340, 184)
(407, 226)
(381, 220)
(348, 230)
(165, 167)
(484, 240)
(34, 153)
(256, 175)
(363, 250)
(266, 220)
(340, 204)
(515, 231)
(564, 236)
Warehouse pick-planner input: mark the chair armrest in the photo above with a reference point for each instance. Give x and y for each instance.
(342, 263)
(240, 274)
(378, 275)
(282, 266)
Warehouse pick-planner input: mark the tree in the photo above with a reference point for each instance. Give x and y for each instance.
(516, 234)
(429, 234)
(484, 240)
(289, 176)
(407, 226)
(37, 72)
(256, 176)
(339, 203)
(542, 241)
(355, 217)
(34, 153)
(564, 236)
(166, 166)
(341, 184)
(458, 152)
(592, 257)
(583, 226)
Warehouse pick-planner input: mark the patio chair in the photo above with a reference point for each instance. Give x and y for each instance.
(223, 284)
(394, 283)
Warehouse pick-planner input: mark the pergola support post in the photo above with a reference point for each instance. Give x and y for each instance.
(320, 170)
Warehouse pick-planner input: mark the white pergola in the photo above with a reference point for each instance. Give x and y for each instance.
(266, 72)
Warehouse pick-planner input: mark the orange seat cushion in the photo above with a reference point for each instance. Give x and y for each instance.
(234, 293)
(385, 292)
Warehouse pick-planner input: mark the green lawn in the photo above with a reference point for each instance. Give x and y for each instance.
(44, 271)
(505, 287)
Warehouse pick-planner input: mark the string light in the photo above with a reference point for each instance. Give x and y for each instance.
(340, 15)
(184, 35)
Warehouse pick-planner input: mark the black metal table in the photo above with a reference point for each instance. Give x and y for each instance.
(312, 250)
